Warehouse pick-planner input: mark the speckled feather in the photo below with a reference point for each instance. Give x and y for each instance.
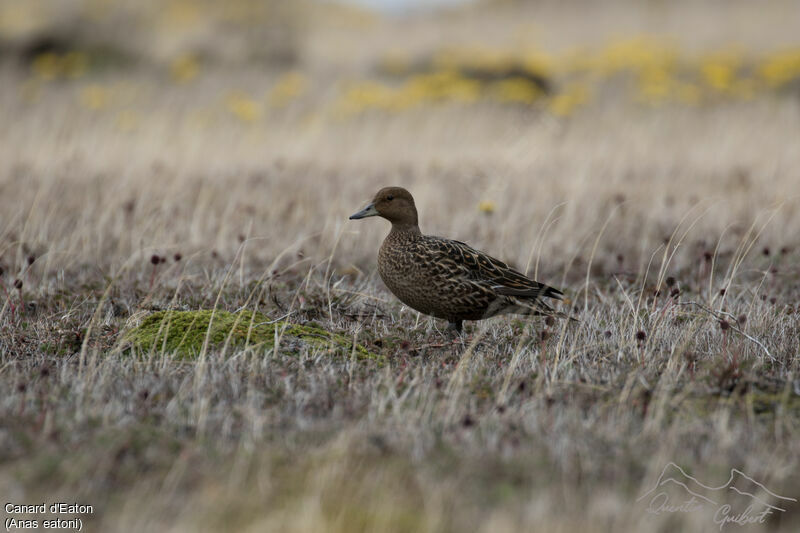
(445, 278)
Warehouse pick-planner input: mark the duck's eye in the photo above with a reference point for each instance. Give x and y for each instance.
(390, 198)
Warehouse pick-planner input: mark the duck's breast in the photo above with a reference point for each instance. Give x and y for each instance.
(400, 268)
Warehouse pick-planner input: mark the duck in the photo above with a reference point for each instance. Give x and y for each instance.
(445, 278)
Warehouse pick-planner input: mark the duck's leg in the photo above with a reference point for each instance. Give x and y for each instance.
(455, 325)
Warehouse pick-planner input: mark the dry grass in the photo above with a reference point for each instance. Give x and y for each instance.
(673, 231)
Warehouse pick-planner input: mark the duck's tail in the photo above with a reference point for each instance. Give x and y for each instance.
(532, 293)
(538, 307)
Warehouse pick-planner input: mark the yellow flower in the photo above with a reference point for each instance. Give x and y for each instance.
(463, 90)
(718, 76)
(515, 90)
(289, 87)
(487, 207)
(719, 70)
(565, 103)
(655, 84)
(538, 62)
(634, 54)
(243, 107)
(47, 66)
(184, 69)
(781, 68)
(95, 97)
(50, 66)
(74, 64)
(365, 95)
(437, 86)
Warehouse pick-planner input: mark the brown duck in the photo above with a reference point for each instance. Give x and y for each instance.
(445, 278)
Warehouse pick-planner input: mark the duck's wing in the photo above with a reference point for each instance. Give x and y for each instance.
(462, 260)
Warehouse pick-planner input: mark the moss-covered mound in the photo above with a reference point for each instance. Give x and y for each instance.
(183, 333)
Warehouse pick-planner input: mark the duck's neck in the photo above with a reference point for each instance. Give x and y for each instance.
(404, 230)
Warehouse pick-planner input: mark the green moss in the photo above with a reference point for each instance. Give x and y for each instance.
(184, 333)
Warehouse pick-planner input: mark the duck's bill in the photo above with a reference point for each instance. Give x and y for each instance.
(368, 211)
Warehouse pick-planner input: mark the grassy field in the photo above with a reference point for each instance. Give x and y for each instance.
(193, 336)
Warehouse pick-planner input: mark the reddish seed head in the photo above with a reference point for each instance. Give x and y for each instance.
(18, 284)
(177, 256)
(707, 257)
(155, 259)
(641, 336)
(765, 251)
(670, 281)
(549, 321)
(162, 259)
(724, 325)
(773, 300)
(467, 421)
(21, 387)
(405, 345)
(607, 334)
(545, 335)
(722, 292)
(31, 259)
(620, 258)
(675, 293)
(742, 320)
(785, 250)
(2, 271)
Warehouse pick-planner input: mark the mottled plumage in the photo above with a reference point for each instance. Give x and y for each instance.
(445, 278)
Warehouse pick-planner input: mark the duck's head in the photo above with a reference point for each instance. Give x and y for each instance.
(395, 204)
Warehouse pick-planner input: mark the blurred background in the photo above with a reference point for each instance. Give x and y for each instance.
(270, 114)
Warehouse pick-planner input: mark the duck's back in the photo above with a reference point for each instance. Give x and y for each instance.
(424, 272)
